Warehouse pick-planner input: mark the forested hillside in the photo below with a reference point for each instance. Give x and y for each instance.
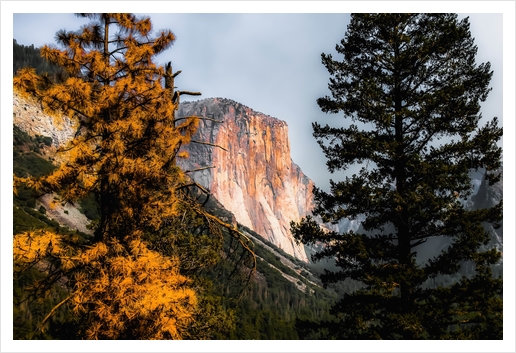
(30, 56)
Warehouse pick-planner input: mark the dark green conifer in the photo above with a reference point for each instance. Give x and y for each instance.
(410, 88)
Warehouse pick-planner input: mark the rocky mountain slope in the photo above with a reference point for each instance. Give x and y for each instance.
(489, 196)
(254, 177)
(27, 116)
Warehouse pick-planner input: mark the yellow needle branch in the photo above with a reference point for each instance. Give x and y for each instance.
(50, 315)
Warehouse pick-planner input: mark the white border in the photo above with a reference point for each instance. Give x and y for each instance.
(10, 7)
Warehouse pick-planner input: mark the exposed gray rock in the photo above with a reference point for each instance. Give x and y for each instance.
(29, 117)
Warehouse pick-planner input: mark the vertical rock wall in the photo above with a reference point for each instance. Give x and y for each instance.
(255, 178)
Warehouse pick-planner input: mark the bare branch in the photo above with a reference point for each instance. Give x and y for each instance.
(190, 93)
(194, 184)
(209, 144)
(238, 236)
(198, 169)
(199, 117)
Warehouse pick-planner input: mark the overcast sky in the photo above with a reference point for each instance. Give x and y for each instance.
(271, 63)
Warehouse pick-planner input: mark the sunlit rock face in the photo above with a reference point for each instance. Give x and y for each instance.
(255, 178)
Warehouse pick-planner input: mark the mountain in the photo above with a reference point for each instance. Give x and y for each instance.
(253, 176)
(254, 179)
(282, 290)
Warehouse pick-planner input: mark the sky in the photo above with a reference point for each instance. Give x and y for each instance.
(268, 62)
(266, 55)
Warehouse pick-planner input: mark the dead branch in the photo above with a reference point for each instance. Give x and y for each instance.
(198, 169)
(199, 117)
(234, 229)
(189, 93)
(194, 184)
(209, 144)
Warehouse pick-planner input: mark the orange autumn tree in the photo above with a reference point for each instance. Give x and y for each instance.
(124, 153)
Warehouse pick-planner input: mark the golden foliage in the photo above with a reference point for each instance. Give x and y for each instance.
(128, 139)
(139, 295)
(122, 291)
(124, 152)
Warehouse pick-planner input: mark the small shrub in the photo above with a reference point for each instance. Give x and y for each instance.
(46, 140)
(35, 149)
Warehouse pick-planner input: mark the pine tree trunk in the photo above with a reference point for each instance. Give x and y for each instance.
(401, 222)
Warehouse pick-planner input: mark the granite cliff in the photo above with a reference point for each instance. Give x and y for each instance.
(254, 177)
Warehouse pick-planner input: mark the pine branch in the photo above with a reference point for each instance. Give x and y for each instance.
(40, 326)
